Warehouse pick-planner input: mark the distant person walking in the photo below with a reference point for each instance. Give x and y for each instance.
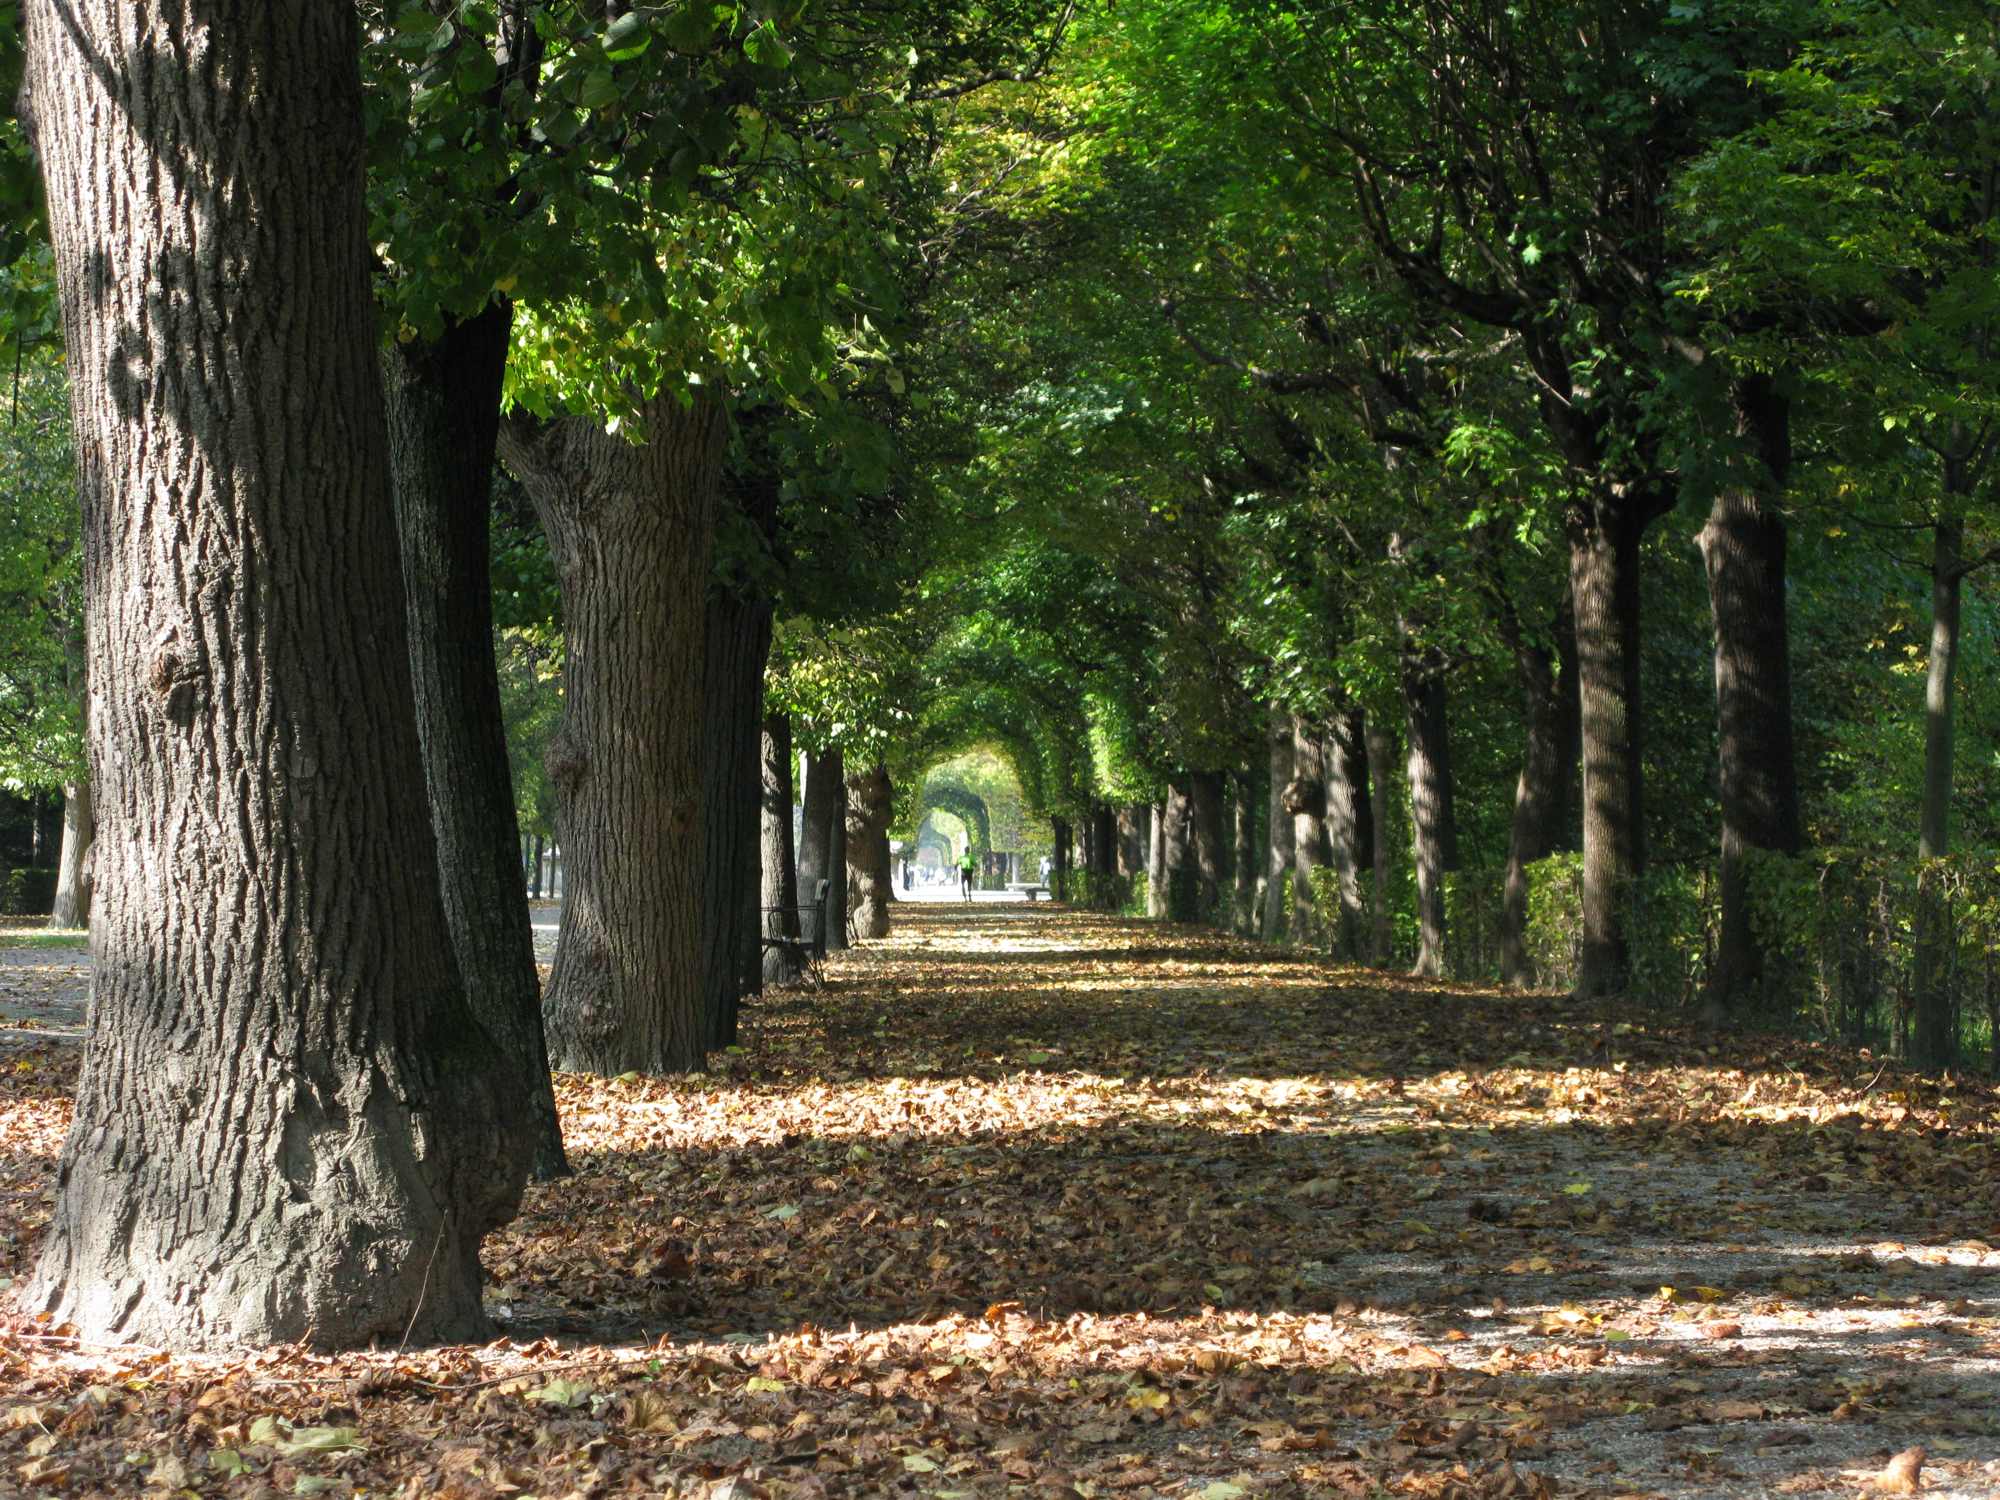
(966, 865)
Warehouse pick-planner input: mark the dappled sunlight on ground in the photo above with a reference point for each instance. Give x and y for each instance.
(1029, 1201)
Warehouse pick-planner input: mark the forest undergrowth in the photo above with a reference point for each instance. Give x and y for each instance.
(1024, 1201)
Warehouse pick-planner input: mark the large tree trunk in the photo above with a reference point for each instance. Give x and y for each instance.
(779, 862)
(1279, 862)
(1183, 872)
(1132, 842)
(1349, 825)
(289, 1124)
(74, 869)
(737, 633)
(1933, 1041)
(630, 526)
(1104, 857)
(1306, 797)
(1205, 834)
(1243, 854)
(1433, 819)
(1604, 590)
(1743, 548)
(836, 858)
(1940, 684)
(1541, 802)
(824, 800)
(1157, 901)
(869, 808)
(443, 407)
(1381, 747)
(1064, 857)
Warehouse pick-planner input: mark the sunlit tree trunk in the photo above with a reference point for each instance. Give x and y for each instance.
(73, 869)
(1933, 1042)
(780, 884)
(1157, 902)
(822, 803)
(1206, 836)
(1433, 818)
(630, 526)
(869, 809)
(289, 1124)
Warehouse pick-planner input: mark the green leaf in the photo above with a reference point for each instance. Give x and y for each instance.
(763, 46)
(628, 36)
(477, 71)
(321, 1440)
(599, 91)
(560, 1392)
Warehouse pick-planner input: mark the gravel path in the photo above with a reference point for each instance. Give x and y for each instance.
(45, 989)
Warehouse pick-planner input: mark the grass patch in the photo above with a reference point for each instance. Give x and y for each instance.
(23, 936)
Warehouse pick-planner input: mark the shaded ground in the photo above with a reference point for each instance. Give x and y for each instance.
(1032, 1202)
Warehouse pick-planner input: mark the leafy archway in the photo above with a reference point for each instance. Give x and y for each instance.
(965, 805)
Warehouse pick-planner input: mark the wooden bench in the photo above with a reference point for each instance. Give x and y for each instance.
(808, 951)
(1029, 890)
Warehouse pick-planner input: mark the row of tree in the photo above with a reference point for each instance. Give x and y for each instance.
(1267, 416)
(654, 257)
(1424, 388)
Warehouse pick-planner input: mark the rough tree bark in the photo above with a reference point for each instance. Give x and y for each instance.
(1933, 1042)
(1183, 876)
(1103, 862)
(737, 640)
(1064, 858)
(1433, 820)
(443, 410)
(821, 804)
(1243, 852)
(74, 867)
(1349, 825)
(1547, 679)
(779, 863)
(1132, 842)
(1743, 551)
(1305, 796)
(630, 527)
(869, 808)
(836, 857)
(1205, 834)
(1279, 863)
(1604, 590)
(1381, 747)
(1156, 862)
(288, 1124)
